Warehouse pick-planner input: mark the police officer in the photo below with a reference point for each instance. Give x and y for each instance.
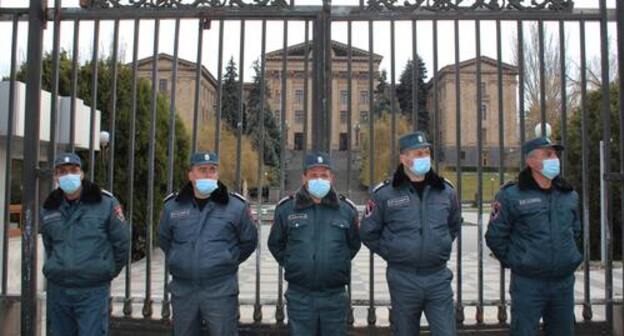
(314, 237)
(206, 232)
(411, 222)
(86, 242)
(532, 230)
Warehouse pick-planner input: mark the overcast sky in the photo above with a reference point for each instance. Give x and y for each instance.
(403, 38)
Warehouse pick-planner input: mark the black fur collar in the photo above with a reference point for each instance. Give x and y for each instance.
(91, 193)
(304, 200)
(220, 195)
(432, 178)
(526, 181)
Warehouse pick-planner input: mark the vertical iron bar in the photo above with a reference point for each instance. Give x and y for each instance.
(241, 107)
(606, 138)
(349, 103)
(219, 91)
(198, 71)
(322, 82)
(127, 308)
(542, 74)
(479, 312)
(36, 21)
(54, 104)
(564, 96)
(502, 307)
(111, 147)
(459, 315)
(415, 75)
(521, 79)
(94, 89)
(257, 314)
(372, 315)
(394, 158)
(350, 317)
(147, 304)
(279, 309)
(9, 157)
(306, 88)
(587, 308)
(165, 311)
(283, 127)
(436, 116)
(620, 53)
(74, 87)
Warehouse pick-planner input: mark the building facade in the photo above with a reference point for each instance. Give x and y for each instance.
(295, 100)
(490, 119)
(185, 87)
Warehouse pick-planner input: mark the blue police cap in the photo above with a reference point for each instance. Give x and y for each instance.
(317, 159)
(67, 159)
(541, 142)
(414, 140)
(203, 158)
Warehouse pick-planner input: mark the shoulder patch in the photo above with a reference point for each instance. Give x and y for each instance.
(239, 196)
(107, 193)
(380, 185)
(170, 196)
(284, 200)
(348, 201)
(447, 181)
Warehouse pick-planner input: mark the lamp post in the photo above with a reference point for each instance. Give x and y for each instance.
(104, 141)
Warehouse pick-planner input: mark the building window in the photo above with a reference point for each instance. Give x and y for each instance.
(483, 89)
(299, 117)
(484, 134)
(363, 116)
(462, 155)
(343, 117)
(162, 85)
(484, 111)
(363, 97)
(344, 142)
(278, 116)
(298, 141)
(344, 97)
(299, 97)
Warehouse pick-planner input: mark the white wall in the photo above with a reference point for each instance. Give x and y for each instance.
(83, 117)
(2, 188)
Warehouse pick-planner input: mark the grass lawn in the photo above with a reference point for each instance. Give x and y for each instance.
(491, 184)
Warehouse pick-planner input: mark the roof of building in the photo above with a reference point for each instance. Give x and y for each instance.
(339, 49)
(181, 61)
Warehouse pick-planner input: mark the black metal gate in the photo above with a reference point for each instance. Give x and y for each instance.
(327, 122)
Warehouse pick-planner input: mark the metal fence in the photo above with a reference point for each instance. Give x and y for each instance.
(317, 122)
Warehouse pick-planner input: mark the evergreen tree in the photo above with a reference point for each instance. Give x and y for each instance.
(382, 95)
(252, 127)
(404, 93)
(229, 97)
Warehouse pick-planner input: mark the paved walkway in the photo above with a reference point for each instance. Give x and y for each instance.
(360, 278)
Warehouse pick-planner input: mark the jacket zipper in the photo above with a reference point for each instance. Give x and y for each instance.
(423, 225)
(552, 243)
(316, 251)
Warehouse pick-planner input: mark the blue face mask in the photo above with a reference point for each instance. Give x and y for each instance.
(551, 168)
(206, 186)
(70, 183)
(421, 166)
(319, 187)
